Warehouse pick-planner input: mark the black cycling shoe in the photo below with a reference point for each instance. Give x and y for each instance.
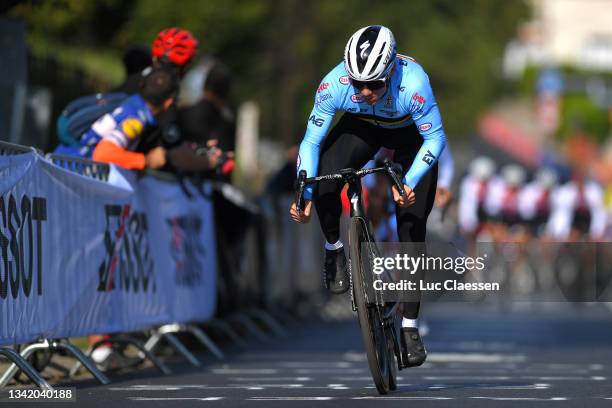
(335, 271)
(413, 349)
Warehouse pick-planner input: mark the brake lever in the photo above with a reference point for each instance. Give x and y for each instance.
(299, 193)
(393, 174)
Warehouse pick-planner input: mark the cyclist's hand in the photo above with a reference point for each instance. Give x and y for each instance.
(405, 200)
(443, 197)
(301, 217)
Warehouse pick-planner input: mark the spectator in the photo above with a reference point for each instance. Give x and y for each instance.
(135, 60)
(173, 48)
(211, 117)
(114, 137)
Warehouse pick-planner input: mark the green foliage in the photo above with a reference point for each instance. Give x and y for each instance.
(280, 50)
(580, 114)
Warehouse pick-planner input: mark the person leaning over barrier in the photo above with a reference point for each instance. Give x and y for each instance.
(174, 49)
(115, 136)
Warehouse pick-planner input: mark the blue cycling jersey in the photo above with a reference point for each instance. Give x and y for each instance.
(408, 100)
(123, 126)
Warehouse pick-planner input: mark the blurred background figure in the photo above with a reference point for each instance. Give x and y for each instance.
(578, 211)
(536, 200)
(502, 204)
(473, 194)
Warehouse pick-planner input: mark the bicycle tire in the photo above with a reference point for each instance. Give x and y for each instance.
(372, 329)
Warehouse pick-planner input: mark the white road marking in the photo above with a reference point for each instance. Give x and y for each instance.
(475, 358)
(470, 377)
(564, 378)
(398, 398)
(254, 379)
(290, 398)
(315, 364)
(245, 371)
(330, 370)
(176, 399)
(522, 398)
(596, 367)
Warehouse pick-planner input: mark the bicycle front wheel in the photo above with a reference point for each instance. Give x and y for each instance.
(369, 313)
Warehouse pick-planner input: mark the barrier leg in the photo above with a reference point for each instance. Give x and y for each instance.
(167, 332)
(227, 329)
(250, 326)
(21, 363)
(274, 325)
(126, 340)
(180, 347)
(83, 359)
(205, 340)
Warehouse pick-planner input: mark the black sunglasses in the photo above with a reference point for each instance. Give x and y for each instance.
(371, 85)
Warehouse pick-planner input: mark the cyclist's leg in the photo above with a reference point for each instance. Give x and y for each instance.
(351, 143)
(412, 221)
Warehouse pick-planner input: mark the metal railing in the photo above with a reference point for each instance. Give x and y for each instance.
(84, 167)
(10, 149)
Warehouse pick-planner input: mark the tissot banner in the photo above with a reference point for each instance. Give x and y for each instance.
(79, 256)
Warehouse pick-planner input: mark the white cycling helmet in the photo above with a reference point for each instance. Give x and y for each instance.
(546, 177)
(513, 174)
(369, 53)
(482, 168)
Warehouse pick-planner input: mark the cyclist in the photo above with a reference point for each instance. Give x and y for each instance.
(387, 102)
(473, 192)
(578, 209)
(536, 198)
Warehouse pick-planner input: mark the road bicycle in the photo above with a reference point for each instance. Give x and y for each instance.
(379, 320)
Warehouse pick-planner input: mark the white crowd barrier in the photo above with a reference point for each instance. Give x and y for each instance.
(81, 256)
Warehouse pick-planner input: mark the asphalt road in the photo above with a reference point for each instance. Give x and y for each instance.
(547, 355)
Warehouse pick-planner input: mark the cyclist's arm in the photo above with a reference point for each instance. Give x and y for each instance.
(426, 116)
(318, 124)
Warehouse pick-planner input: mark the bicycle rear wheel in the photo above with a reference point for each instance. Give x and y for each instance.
(380, 357)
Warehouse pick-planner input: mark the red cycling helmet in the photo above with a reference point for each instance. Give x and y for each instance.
(178, 46)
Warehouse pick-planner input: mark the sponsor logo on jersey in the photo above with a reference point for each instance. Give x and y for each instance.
(357, 98)
(344, 80)
(323, 86)
(429, 158)
(389, 102)
(424, 127)
(351, 110)
(131, 127)
(322, 98)
(418, 98)
(401, 88)
(316, 121)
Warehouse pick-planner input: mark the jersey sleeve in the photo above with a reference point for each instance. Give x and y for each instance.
(108, 152)
(119, 129)
(319, 122)
(424, 110)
